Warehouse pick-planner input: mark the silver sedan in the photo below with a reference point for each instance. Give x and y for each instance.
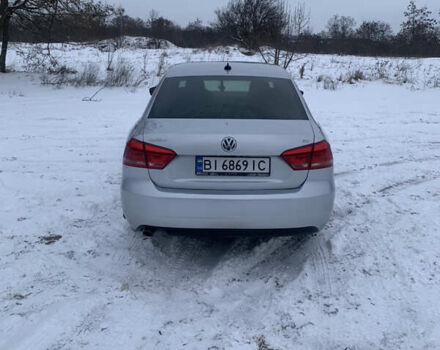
(227, 147)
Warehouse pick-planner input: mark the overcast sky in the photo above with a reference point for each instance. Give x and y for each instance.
(183, 11)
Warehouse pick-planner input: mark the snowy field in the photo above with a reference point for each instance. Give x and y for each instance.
(74, 276)
(144, 67)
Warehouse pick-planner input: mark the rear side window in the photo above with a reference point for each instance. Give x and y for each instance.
(224, 97)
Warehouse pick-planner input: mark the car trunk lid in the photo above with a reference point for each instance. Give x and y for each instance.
(190, 138)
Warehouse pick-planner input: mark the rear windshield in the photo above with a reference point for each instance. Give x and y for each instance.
(213, 97)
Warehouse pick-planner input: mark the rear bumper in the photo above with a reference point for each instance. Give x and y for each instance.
(144, 204)
(233, 233)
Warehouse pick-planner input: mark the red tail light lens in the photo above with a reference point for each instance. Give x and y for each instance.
(309, 157)
(144, 155)
(298, 158)
(158, 157)
(322, 156)
(134, 154)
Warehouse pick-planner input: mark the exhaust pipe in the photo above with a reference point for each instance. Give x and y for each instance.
(147, 232)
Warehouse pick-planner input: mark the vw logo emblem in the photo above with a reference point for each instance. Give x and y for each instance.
(229, 144)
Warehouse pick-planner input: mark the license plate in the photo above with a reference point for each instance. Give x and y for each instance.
(232, 166)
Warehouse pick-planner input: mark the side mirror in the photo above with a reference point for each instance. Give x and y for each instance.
(152, 90)
(302, 92)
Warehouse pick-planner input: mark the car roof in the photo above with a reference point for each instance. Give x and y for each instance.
(218, 69)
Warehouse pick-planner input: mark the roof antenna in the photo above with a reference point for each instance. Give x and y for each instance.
(228, 67)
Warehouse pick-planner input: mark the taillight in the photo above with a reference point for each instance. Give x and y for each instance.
(298, 158)
(309, 157)
(144, 155)
(134, 154)
(322, 156)
(158, 157)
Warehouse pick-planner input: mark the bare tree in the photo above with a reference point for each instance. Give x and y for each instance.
(5, 18)
(419, 26)
(340, 27)
(7, 10)
(252, 23)
(374, 31)
(43, 13)
(152, 18)
(300, 20)
(159, 28)
(266, 26)
(153, 15)
(281, 50)
(120, 25)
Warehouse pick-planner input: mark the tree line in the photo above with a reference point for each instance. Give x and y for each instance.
(268, 27)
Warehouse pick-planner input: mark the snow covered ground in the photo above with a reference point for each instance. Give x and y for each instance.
(74, 276)
(144, 67)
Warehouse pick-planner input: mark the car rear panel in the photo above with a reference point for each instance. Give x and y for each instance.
(145, 204)
(202, 137)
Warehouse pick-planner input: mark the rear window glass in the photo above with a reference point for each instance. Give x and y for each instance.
(227, 98)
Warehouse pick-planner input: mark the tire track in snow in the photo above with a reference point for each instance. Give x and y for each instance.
(320, 262)
(190, 258)
(287, 257)
(403, 185)
(356, 225)
(387, 164)
(55, 325)
(257, 258)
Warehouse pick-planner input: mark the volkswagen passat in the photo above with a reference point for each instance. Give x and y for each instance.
(227, 146)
